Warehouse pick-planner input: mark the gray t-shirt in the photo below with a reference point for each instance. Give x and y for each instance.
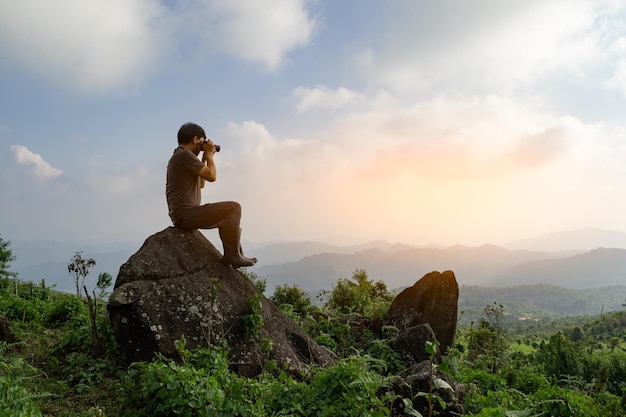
(182, 185)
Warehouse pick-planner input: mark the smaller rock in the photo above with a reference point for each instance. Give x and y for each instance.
(410, 344)
(423, 377)
(6, 334)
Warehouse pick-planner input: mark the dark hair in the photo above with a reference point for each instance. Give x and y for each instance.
(188, 131)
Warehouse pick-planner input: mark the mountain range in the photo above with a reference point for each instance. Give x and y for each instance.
(586, 258)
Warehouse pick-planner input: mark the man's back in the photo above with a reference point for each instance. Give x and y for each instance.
(182, 184)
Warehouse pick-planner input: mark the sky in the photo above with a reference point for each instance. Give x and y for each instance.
(419, 122)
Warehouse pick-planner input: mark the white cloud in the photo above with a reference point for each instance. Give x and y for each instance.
(104, 45)
(322, 98)
(617, 81)
(264, 30)
(41, 168)
(261, 31)
(90, 46)
(457, 46)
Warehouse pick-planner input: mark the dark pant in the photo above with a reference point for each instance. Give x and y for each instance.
(211, 215)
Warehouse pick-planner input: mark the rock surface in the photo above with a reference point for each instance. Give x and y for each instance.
(432, 300)
(175, 285)
(6, 333)
(410, 344)
(423, 377)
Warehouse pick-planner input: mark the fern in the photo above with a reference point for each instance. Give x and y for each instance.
(15, 399)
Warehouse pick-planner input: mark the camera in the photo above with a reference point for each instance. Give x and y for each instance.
(217, 147)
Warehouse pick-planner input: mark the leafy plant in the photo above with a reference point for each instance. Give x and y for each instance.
(358, 294)
(15, 399)
(68, 311)
(253, 321)
(6, 257)
(78, 268)
(434, 383)
(294, 296)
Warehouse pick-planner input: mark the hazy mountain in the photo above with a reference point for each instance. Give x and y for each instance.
(572, 240)
(487, 265)
(48, 260)
(596, 268)
(283, 252)
(317, 265)
(397, 268)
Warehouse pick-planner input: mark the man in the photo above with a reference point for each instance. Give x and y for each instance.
(186, 175)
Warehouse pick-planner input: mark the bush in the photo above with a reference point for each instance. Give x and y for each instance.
(560, 357)
(200, 386)
(294, 296)
(346, 389)
(358, 295)
(15, 399)
(18, 309)
(69, 312)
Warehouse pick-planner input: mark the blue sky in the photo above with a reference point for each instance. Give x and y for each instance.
(412, 121)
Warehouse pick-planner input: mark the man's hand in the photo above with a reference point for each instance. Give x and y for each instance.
(208, 148)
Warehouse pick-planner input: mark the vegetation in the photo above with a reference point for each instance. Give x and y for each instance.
(535, 307)
(6, 257)
(68, 369)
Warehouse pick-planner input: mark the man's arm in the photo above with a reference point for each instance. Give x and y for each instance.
(208, 172)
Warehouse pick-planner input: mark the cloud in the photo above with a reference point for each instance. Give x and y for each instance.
(116, 45)
(449, 138)
(456, 46)
(263, 31)
(322, 98)
(91, 46)
(259, 31)
(41, 168)
(543, 147)
(617, 81)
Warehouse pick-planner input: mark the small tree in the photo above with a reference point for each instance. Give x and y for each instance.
(79, 269)
(6, 257)
(358, 294)
(104, 281)
(294, 296)
(489, 341)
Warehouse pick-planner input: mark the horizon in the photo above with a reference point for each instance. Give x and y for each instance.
(410, 122)
(550, 239)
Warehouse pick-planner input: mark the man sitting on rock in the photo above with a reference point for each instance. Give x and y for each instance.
(186, 175)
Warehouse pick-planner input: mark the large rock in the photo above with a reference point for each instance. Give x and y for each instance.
(432, 300)
(175, 286)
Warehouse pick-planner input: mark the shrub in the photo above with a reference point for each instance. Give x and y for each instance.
(346, 389)
(18, 309)
(560, 357)
(357, 295)
(294, 296)
(69, 312)
(15, 399)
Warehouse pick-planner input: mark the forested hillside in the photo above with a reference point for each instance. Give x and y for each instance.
(540, 302)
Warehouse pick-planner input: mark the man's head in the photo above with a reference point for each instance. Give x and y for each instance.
(188, 131)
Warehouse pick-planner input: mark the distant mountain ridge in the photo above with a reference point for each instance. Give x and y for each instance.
(472, 266)
(316, 265)
(585, 270)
